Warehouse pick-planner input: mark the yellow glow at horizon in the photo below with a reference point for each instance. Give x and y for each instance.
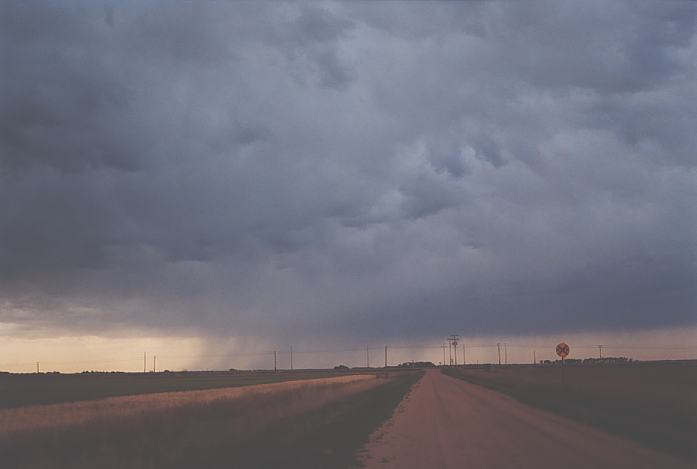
(74, 354)
(19, 352)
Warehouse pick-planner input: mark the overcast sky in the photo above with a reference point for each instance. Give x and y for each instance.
(352, 171)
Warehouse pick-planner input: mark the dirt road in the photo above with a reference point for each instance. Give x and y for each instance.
(448, 423)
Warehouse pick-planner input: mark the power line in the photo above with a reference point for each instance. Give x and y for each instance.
(417, 346)
(453, 342)
(356, 350)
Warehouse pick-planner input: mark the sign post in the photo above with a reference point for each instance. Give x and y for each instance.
(563, 352)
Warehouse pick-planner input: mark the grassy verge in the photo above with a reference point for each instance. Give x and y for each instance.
(31, 389)
(327, 438)
(309, 427)
(652, 406)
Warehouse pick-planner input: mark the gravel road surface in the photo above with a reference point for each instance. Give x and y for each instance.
(448, 423)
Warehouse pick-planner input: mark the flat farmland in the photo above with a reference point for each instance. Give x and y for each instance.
(48, 388)
(653, 403)
(641, 416)
(318, 422)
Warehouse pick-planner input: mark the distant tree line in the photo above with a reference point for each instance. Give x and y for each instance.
(413, 364)
(588, 361)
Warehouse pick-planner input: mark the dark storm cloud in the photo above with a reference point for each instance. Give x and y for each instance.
(348, 170)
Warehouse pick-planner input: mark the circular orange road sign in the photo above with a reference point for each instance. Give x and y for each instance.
(562, 350)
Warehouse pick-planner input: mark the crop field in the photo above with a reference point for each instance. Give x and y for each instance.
(653, 403)
(318, 422)
(48, 388)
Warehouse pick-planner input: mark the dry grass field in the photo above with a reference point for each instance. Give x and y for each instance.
(309, 423)
(47, 388)
(654, 403)
(17, 419)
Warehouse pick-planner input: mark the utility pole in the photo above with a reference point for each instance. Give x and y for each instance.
(367, 357)
(450, 352)
(144, 361)
(453, 341)
(505, 353)
(154, 363)
(498, 346)
(291, 358)
(600, 351)
(443, 347)
(385, 356)
(37, 368)
(274, 362)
